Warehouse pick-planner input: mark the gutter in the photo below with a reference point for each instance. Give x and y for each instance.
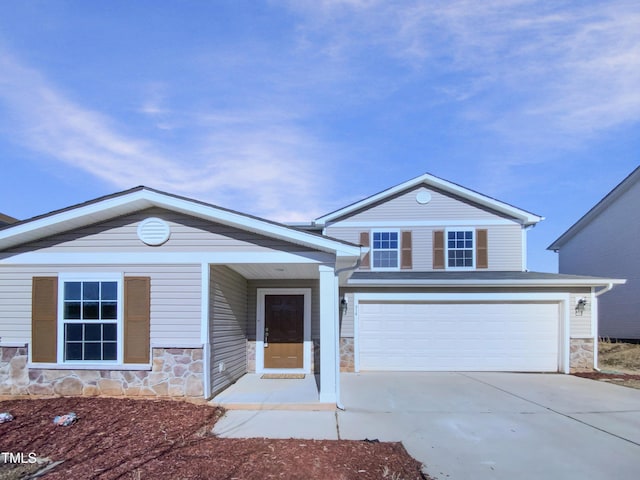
(606, 289)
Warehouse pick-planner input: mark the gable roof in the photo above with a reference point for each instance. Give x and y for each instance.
(522, 216)
(597, 209)
(139, 198)
(6, 220)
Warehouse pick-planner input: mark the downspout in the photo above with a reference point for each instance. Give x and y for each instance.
(594, 313)
(337, 329)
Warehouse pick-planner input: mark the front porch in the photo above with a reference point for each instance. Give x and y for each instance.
(241, 338)
(253, 392)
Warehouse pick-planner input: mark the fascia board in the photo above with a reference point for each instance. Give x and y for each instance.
(254, 225)
(525, 217)
(130, 202)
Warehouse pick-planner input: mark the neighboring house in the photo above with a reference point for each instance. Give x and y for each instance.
(147, 293)
(604, 242)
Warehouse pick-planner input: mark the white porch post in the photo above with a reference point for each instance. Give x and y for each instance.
(328, 334)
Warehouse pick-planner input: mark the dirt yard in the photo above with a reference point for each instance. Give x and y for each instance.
(152, 439)
(619, 363)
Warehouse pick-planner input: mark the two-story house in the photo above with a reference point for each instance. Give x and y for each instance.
(145, 293)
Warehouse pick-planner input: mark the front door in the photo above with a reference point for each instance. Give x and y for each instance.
(283, 331)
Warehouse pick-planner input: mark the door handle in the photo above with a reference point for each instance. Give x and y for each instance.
(266, 337)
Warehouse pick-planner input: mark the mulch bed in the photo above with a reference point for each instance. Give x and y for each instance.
(155, 439)
(624, 379)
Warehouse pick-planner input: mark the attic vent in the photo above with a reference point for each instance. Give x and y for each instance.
(154, 231)
(423, 197)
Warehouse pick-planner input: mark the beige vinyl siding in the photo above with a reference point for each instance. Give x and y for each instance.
(188, 234)
(347, 318)
(581, 324)
(504, 253)
(175, 299)
(228, 332)
(405, 207)
(315, 301)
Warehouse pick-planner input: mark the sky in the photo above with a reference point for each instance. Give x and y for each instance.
(291, 109)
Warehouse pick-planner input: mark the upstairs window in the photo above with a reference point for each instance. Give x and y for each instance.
(385, 250)
(460, 249)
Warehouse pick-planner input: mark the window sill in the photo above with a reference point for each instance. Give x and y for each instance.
(89, 366)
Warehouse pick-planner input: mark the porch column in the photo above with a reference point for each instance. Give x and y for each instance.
(328, 334)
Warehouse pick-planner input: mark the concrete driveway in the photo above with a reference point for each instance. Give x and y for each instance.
(477, 425)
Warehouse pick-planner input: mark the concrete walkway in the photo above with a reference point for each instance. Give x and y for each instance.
(476, 425)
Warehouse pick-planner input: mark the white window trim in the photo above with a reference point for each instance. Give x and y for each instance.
(91, 277)
(307, 341)
(473, 248)
(398, 251)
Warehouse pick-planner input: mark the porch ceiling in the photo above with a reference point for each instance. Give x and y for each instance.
(276, 271)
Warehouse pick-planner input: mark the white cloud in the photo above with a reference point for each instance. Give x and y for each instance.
(565, 67)
(232, 158)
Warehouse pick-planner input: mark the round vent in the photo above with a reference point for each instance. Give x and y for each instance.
(423, 197)
(154, 231)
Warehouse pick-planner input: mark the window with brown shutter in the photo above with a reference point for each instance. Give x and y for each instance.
(482, 250)
(44, 319)
(365, 264)
(406, 260)
(137, 319)
(438, 249)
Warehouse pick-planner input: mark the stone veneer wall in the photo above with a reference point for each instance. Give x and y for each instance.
(347, 360)
(175, 372)
(581, 354)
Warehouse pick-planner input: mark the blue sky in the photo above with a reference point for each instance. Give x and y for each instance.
(291, 109)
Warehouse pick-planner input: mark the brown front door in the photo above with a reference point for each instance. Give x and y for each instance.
(283, 331)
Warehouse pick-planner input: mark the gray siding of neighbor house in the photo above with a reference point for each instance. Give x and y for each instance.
(228, 332)
(175, 299)
(504, 240)
(188, 234)
(609, 246)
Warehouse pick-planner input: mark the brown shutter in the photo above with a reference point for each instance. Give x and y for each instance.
(482, 256)
(406, 261)
(44, 319)
(137, 319)
(438, 249)
(365, 264)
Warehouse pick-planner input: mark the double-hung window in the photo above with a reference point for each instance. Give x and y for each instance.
(91, 319)
(385, 250)
(460, 248)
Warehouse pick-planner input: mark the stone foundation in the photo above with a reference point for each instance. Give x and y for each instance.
(175, 372)
(347, 359)
(581, 354)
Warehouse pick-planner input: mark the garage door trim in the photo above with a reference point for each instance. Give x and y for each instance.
(563, 299)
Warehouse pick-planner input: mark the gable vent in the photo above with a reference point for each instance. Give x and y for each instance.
(154, 231)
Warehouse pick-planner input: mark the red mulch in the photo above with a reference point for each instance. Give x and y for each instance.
(608, 376)
(155, 439)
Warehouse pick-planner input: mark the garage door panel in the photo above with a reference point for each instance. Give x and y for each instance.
(458, 336)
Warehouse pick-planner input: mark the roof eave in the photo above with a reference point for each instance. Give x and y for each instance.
(141, 198)
(524, 217)
(596, 210)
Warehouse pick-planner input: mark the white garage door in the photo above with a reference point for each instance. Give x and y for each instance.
(475, 336)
